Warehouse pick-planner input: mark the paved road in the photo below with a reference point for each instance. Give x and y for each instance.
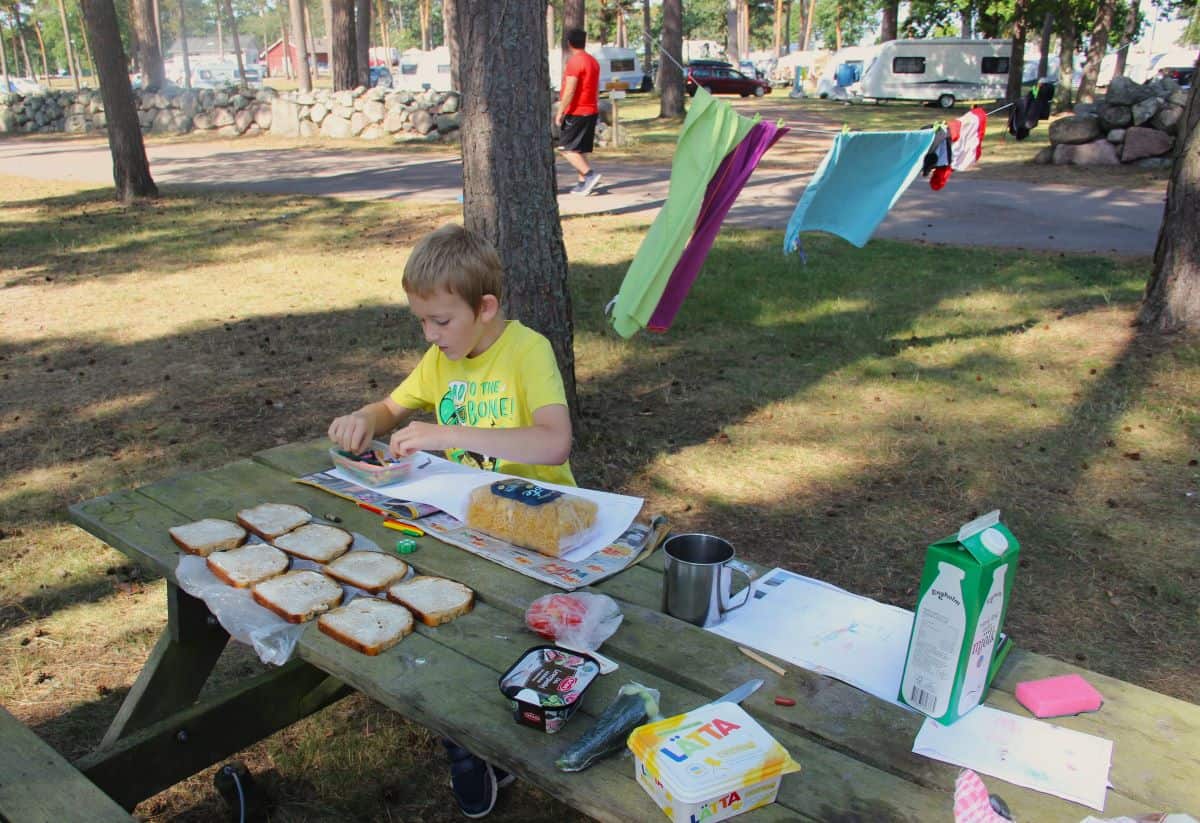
(970, 211)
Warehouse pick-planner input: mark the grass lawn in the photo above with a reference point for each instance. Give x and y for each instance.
(834, 418)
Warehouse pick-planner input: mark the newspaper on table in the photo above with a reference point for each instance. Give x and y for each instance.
(616, 547)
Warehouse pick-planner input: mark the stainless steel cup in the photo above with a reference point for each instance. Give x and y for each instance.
(698, 572)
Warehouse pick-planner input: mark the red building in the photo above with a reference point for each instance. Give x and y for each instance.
(277, 58)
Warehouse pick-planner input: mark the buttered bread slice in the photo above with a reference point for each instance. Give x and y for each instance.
(298, 596)
(316, 542)
(367, 624)
(248, 565)
(370, 571)
(434, 600)
(269, 520)
(207, 536)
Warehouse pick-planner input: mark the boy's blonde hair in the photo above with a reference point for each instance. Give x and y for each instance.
(458, 260)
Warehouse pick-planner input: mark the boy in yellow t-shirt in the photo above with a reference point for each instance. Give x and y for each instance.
(492, 384)
(497, 395)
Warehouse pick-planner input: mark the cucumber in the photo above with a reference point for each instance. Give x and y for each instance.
(635, 704)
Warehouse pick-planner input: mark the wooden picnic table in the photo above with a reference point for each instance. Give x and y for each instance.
(855, 750)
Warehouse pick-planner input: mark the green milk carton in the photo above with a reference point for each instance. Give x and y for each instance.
(956, 645)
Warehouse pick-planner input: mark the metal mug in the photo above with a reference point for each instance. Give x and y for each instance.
(698, 572)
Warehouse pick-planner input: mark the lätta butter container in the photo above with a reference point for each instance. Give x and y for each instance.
(546, 685)
(710, 764)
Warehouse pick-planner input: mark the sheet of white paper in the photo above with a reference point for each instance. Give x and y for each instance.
(448, 485)
(1028, 752)
(824, 629)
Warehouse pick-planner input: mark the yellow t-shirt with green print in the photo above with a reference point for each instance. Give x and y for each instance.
(500, 388)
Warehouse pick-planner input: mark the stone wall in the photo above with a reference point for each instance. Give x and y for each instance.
(369, 114)
(1134, 123)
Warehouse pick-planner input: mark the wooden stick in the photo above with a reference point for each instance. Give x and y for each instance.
(758, 658)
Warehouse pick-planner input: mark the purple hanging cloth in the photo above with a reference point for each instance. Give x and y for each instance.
(722, 191)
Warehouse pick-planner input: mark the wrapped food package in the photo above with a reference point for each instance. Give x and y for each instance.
(528, 515)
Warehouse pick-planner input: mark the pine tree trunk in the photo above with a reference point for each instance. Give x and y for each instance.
(1131, 19)
(509, 188)
(37, 29)
(4, 67)
(345, 62)
(1172, 299)
(299, 44)
(183, 45)
(1016, 59)
(670, 71)
(647, 43)
(778, 28)
(808, 21)
(572, 19)
(424, 10)
(731, 30)
(890, 23)
(149, 57)
(286, 41)
(362, 40)
(1097, 45)
(237, 41)
(29, 72)
(131, 170)
(1044, 45)
(451, 38)
(1064, 94)
(327, 17)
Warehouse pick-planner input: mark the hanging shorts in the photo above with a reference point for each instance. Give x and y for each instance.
(578, 133)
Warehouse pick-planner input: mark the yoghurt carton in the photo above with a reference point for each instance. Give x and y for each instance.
(710, 764)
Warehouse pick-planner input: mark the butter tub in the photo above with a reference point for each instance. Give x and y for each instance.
(710, 764)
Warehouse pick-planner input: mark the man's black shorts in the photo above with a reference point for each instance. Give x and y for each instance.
(578, 133)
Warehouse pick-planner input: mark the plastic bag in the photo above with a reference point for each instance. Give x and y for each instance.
(579, 620)
(522, 513)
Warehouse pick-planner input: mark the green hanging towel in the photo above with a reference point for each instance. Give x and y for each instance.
(711, 130)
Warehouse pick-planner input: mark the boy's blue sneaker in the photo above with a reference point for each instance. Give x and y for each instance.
(578, 187)
(474, 781)
(589, 182)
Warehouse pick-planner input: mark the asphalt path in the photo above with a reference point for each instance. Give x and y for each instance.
(969, 211)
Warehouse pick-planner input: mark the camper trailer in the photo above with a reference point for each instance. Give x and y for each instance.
(940, 69)
(615, 64)
(843, 70)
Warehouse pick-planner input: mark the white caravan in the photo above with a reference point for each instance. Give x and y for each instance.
(940, 69)
(844, 69)
(615, 64)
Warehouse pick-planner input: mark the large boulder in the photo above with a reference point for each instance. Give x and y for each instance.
(222, 117)
(163, 120)
(447, 123)
(358, 122)
(1095, 153)
(242, 120)
(337, 128)
(1145, 109)
(1115, 116)
(180, 123)
(393, 122)
(317, 113)
(8, 120)
(285, 117)
(374, 111)
(1124, 92)
(1044, 157)
(203, 121)
(1167, 119)
(423, 122)
(1075, 130)
(262, 116)
(451, 103)
(74, 124)
(187, 103)
(146, 118)
(309, 129)
(1116, 136)
(1143, 142)
(372, 132)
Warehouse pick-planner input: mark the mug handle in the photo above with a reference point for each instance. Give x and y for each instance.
(749, 573)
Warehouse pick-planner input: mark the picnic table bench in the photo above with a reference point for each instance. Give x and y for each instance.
(855, 750)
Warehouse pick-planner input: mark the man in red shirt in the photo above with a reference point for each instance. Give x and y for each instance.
(577, 110)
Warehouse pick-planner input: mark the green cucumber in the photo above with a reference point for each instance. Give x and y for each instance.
(635, 704)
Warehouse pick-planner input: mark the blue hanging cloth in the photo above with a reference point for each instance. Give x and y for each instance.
(860, 178)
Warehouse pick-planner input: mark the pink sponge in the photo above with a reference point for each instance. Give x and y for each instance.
(1058, 696)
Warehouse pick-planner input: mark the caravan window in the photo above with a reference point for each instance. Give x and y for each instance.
(995, 65)
(623, 64)
(908, 65)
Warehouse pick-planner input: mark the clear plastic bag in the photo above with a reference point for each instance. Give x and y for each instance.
(522, 513)
(579, 620)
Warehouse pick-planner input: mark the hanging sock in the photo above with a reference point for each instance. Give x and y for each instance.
(860, 178)
(710, 131)
(722, 191)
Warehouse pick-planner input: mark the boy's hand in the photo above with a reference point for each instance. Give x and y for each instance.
(419, 436)
(352, 432)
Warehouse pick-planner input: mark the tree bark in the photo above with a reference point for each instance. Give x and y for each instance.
(1044, 45)
(37, 29)
(647, 43)
(4, 67)
(451, 38)
(71, 64)
(183, 45)
(1172, 299)
(362, 40)
(149, 57)
(237, 41)
(300, 44)
(509, 188)
(1016, 60)
(808, 22)
(327, 18)
(286, 41)
(1131, 19)
(1097, 45)
(670, 71)
(778, 29)
(551, 39)
(345, 61)
(891, 21)
(731, 31)
(87, 45)
(157, 26)
(131, 171)
(1065, 92)
(424, 12)
(29, 72)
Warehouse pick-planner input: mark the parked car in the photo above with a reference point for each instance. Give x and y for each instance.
(1180, 74)
(723, 80)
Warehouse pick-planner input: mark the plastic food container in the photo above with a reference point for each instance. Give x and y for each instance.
(710, 764)
(373, 467)
(546, 685)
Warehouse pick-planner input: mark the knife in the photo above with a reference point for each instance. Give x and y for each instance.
(739, 694)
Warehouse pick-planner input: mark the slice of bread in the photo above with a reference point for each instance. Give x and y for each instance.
(248, 565)
(298, 596)
(207, 536)
(316, 542)
(434, 600)
(269, 520)
(367, 624)
(370, 571)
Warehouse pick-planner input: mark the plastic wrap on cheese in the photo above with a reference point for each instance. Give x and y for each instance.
(525, 514)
